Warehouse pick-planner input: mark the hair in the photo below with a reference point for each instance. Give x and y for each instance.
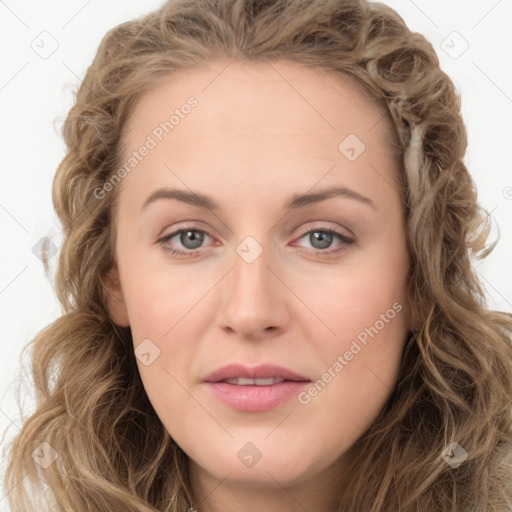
(455, 383)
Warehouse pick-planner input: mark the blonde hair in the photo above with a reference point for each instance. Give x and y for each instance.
(456, 379)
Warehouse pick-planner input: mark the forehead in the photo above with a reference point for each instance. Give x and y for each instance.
(237, 91)
(264, 120)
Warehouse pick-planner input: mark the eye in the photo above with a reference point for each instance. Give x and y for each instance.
(321, 239)
(190, 239)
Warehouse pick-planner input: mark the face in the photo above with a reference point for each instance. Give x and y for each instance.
(307, 295)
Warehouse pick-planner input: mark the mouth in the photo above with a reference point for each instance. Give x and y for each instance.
(244, 381)
(257, 389)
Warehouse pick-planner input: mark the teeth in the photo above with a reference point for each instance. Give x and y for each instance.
(243, 381)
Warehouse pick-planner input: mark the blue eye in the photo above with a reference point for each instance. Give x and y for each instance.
(324, 238)
(192, 239)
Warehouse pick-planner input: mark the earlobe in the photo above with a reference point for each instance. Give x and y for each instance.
(116, 303)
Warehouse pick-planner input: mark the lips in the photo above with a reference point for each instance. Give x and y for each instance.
(256, 389)
(258, 375)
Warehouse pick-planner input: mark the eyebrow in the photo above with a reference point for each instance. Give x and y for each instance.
(296, 201)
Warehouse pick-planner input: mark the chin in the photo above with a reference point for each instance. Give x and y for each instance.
(278, 467)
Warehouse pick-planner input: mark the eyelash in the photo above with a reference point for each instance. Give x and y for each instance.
(190, 253)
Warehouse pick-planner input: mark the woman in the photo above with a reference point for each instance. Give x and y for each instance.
(268, 295)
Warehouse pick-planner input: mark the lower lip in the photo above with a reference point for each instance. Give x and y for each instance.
(256, 398)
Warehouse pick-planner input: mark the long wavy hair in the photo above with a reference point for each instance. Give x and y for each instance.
(455, 386)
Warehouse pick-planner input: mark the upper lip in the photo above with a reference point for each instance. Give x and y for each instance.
(263, 371)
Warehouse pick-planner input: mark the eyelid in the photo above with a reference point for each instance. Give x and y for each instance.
(325, 225)
(187, 224)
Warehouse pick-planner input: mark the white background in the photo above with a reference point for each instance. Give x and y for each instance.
(36, 93)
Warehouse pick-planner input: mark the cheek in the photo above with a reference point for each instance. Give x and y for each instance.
(343, 303)
(361, 350)
(365, 308)
(161, 299)
(360, 366)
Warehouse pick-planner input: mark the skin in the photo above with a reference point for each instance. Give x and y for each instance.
(256, 138)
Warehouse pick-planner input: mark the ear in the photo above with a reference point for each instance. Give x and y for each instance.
(116, 303)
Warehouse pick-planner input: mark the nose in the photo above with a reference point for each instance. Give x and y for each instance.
(253, 299)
